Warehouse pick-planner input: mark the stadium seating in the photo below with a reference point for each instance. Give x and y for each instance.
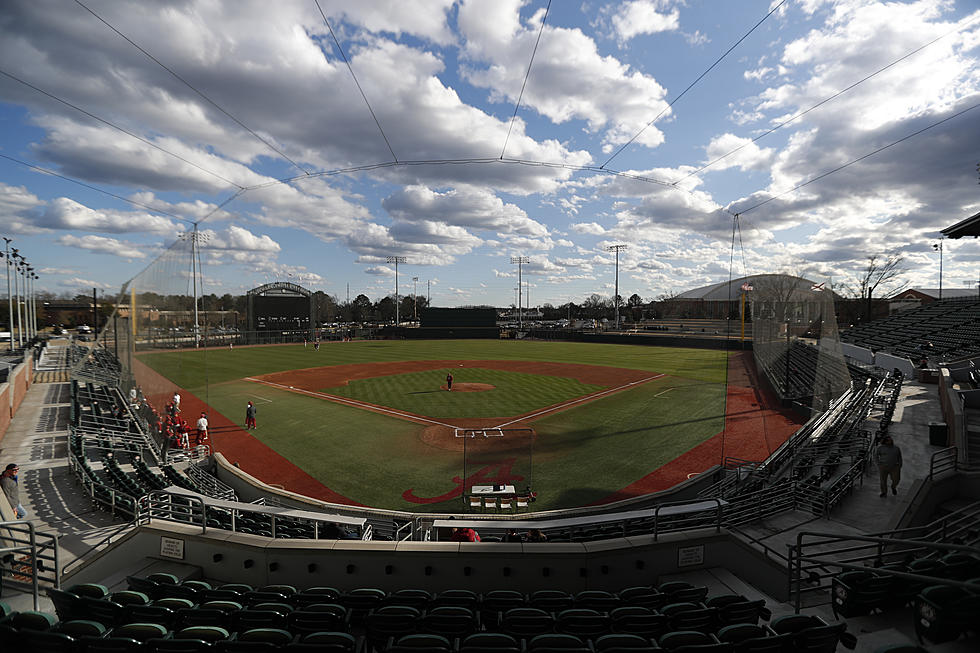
(946, 329)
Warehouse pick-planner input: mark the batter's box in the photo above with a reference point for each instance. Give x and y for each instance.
(473, 433)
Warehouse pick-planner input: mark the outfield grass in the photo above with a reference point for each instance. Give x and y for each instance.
(580, 455)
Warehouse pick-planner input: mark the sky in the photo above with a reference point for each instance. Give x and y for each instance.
(310, 140)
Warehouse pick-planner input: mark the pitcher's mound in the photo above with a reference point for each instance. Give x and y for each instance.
(471, 387)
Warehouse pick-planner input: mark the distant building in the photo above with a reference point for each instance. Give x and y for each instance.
(915, 297)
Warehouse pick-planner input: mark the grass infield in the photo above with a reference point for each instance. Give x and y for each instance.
(580, 455)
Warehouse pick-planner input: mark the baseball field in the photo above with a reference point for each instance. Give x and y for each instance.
(374, 423)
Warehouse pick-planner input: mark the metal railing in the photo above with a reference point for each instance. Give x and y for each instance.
(29, 557)
(686, 520)
(817, 557)
(170, 507)
(942, 461)
(210, 485)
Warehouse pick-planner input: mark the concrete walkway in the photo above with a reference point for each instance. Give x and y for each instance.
(37, 440)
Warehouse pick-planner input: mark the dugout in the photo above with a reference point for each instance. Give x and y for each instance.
(437, 323)
(279, 307)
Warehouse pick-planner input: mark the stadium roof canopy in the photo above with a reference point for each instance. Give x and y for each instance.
(730, 290)
(968, 227)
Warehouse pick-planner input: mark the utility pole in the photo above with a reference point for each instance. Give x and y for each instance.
(616, 248)
(396, 260)
(520, 260)
(428, 292)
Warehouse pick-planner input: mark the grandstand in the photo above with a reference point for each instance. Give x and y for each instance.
(185, 552)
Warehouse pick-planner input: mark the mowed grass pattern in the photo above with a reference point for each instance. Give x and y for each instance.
(419, 392)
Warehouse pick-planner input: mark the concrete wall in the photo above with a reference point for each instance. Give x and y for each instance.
(858, 353)
(952, 405)
(12, 392)
(480, 566)
(4, 409)
(889, 362)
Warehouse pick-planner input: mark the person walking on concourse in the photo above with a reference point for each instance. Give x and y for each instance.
(10, 485)
(889, 459)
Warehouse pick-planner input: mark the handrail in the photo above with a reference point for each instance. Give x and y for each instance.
(875, 547)
(36, 552)
(407, 526)
(159, 505)
(656, 513)
(942, 461)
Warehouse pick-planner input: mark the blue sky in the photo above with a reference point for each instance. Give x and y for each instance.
(257, 93)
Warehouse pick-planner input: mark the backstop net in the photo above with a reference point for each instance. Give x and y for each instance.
(795, 339)
(497, 457)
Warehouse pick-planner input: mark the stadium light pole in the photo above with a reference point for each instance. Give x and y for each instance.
(520, 260)
(396, 260)
(34, 287)
(20, 323)
(10, 305)
(415, 298)
(616, 248)
(29, 306)
(939, 248)
(195, 237)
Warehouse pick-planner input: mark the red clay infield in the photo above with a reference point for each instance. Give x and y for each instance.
(754, 426)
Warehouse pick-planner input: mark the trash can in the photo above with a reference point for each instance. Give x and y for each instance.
(938, 434)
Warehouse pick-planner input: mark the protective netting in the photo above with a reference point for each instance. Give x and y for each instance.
(498, 457)
(155, 310)
(795, 339)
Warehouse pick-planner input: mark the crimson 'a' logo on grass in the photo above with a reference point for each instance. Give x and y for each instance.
(483, 476)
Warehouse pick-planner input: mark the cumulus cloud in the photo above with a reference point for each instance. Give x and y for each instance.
(569, 80)
(104, 245)
(240, 239)
(465, 206)
(638, 17)
(592, 228)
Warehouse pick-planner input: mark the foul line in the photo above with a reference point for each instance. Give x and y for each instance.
(576, 401)
(351, 402)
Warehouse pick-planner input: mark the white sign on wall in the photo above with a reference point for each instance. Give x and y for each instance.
(171, 547)
(690, 556)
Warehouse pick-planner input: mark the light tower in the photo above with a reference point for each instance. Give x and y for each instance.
(195, 237)
(396, 260)
(520, 260)
(10, 304)
(939, 248)
(616, 248)
(415, 299)
(17, 296)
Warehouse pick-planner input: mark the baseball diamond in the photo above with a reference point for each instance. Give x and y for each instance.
(372, 424)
